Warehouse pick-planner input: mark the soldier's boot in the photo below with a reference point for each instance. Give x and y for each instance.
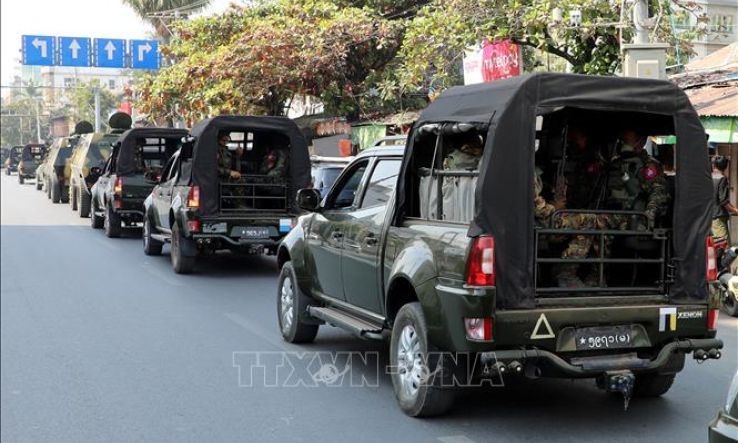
(568, 278)
(592, 279)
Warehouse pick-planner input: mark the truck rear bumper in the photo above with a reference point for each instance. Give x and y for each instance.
(594, 366)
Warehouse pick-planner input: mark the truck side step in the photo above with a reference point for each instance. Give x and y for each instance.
(342, 319)
(161, 237)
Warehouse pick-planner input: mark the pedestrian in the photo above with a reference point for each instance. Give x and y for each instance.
(722, 209)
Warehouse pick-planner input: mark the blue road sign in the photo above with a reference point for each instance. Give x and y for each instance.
(110, 53)
(39, 50)
(74, 51)
(144, 54)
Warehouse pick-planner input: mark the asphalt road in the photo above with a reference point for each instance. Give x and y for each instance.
(100, 343)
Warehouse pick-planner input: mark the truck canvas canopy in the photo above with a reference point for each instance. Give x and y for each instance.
(204, 171)
(504, 112)
(167, 140)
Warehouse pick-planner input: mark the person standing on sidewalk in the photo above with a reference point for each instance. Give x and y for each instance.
(723, 209)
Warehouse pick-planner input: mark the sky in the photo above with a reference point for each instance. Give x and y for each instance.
(73, 18)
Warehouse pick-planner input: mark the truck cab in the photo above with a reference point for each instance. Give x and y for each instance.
(438, 248)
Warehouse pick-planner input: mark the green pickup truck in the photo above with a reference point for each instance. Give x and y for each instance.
(129, 175)
(237, 196)
(447, 260)
(31, 157)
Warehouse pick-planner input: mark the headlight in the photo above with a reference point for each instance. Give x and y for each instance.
(732, 392)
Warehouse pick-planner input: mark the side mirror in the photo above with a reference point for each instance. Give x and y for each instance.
(308, 199)
(95, 170)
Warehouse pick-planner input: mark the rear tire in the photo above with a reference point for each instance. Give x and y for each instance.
(48, 188)
(652, 385)
(112, 223)
(55, 191)
(20, 178)
(73, 198)
(730, 305)
(292, 309)
(85, 201)
(181, 263)
(39, 184)
(415, 359)
(151, 245)
(96, 221)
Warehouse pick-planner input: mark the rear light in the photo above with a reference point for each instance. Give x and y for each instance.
(712, 319)
(479, 329)
(118, 188)
(193, 201)
(193, 225)
(117, 203)
(712, 271)
(482, 262)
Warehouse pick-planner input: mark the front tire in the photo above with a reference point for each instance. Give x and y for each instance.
(20, 178)
(730, 304)
(85, 202)
(96, 221)
(151, 246)
(112, 223)
(415, 363)
(48, 188)
(73, 198)
(39, 184)
(55, 191)
(292, 309)
(181, 263)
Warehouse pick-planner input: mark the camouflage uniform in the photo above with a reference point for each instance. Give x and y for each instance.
(582, 173)
(224, 162)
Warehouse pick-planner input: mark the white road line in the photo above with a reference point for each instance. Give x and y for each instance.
(268, 336)
(456, 439)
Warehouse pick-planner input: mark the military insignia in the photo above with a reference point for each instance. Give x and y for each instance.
(650, 172)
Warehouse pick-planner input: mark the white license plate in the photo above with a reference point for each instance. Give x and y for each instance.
(254, 232)
(604, 337)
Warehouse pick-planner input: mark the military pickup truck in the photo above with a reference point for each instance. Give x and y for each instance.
(447, 260)
(129, 175)
(31, 156)
(11, 162)
(238, 195)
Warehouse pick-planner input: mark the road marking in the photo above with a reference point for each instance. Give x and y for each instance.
(456, 439)
(542, 321)
(260, 332)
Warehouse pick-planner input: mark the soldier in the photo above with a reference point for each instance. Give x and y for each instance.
(467, 153)
(273, 165)
(138, 156)
(583, 167)
(225, 162)
(636, 182)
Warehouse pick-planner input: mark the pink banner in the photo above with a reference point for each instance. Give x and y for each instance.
(501, 60)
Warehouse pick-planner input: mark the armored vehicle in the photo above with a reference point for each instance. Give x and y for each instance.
(450, 259)
(88, 160)
(11, 162)
(32, 156)
(129, 176)
(54, 173)
(231, 187)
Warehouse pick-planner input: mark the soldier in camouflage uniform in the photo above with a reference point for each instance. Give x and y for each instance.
(584, 165)
(273, 165)
(138, 156)
(226, 170)
(637, 182)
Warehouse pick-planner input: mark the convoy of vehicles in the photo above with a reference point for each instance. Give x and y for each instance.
(31, 157)
(129, 175)
(467, 294)
(200, 210)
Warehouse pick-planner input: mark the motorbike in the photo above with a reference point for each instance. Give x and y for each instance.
(728, 281)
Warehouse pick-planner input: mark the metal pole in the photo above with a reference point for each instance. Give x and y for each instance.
(21, 130)
(38, 125)
(97, 109)
(640, 15)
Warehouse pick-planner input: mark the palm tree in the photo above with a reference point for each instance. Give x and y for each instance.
(160, 13)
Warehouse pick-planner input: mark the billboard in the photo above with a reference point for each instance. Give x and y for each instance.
(492, 61)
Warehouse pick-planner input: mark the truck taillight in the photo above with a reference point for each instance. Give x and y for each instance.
(118, 188)
(193, 201)
(479, 329)
(712, 319)
(481, 270)
(712, 270)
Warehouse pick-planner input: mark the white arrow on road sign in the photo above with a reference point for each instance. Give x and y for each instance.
(36, 43)
(110, 48)
(143, 50)
(75, 47)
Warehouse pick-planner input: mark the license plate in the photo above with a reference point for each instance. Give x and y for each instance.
(604, 337)
(255, 232)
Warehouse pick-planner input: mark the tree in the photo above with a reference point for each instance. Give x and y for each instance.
(254, 60)
(161, 13)
(82, 104)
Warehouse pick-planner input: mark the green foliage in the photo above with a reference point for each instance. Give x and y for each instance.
(18, 124)
(82, 104)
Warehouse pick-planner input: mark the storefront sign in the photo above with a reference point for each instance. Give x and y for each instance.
(493, 61)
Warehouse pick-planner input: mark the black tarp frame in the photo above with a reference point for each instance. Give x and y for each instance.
(205, 164)
(503, 198)
(125, 153)
(28, 155)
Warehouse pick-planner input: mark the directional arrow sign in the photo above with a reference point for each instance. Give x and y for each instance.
(39, 50)
(110, 53)
(144, 54)
(74, 51)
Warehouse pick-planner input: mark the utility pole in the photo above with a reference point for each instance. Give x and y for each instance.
(97, 109)
(38, 123)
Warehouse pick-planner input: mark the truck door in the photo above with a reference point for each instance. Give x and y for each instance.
(327, 230)
(162, 195)
(362, 240)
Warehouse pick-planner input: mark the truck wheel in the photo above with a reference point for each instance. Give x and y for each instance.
(7, 172)
(151, 245)
(39, 184)
(112, 223)
(415, 362)
(73, 198)
(730, 305)
(181, 263)
(291, 308)
(55, 191)
(20, 178)
(652, 385)
(85, 200)
(96, 221)
(48, 188)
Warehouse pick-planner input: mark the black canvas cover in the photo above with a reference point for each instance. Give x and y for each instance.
(29, 153)
(125, 153)
(503, 198)
(205, 163)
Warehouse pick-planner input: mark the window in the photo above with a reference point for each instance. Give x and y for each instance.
(721, 23)
(111, 84)
(382, 183)
(345, 194)
(68, 82)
